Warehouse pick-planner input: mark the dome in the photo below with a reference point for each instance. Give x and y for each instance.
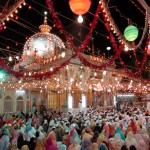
(43, 43)
(42, 46)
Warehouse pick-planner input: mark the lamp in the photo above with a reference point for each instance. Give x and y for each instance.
(131, 33)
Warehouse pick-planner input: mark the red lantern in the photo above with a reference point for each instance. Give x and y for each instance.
(80, 7)
(148, 50)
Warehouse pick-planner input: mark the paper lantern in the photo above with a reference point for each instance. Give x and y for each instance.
(148, 50)
(131, 33)
(80, 7)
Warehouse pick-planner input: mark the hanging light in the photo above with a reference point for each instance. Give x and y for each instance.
(17, 57)
(80, 19)
(108, 48)
(95, 74)
(10, 58)
(45, 12)
(104, 72)
(148, 50)
(80, 7)
(28, 52)
(51, 68)
(67, 67)
(63, 54)
(81, 76)
(131, 33)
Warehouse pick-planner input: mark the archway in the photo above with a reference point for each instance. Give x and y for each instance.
(7, 104)
(20, 104)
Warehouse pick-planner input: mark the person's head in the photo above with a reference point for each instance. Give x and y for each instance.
(37, 134)
(132, 147)
(87, 130)
(24, 147)
(124, 147)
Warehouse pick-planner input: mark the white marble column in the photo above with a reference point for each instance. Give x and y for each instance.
(70, 101)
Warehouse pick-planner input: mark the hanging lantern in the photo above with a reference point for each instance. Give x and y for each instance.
(148, 50)
(80, 7)
(131, 33)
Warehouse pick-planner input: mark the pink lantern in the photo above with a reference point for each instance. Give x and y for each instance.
(148, 50)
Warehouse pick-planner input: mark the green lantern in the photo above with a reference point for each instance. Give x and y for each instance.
(2, 74)
(131, 33)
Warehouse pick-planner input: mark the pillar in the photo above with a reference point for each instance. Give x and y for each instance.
(70, 101)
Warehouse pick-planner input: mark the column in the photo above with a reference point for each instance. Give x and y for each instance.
(84, 100)
(70, 101)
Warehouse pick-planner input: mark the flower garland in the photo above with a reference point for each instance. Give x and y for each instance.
(112, 40)
(59, 25)
(131, 74)
(40, 76)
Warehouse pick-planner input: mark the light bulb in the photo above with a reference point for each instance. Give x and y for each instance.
(17, 57)
(95, 74)
(81, 76)
(45, 12)
(108, 48)
(51, 68)
(63, 54)
(126, 48)
(80, 19)
(67, 67)
(104, 72)
(10, 58)
(28, 52)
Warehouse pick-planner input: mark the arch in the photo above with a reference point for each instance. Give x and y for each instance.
(7, 104)
(7, 98)
(20, 98)
(20, 103)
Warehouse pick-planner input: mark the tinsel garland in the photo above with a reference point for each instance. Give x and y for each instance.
(59, 25)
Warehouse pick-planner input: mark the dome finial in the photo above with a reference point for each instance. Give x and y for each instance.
(45, 27)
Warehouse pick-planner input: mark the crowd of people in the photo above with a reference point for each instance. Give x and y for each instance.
(93, 129)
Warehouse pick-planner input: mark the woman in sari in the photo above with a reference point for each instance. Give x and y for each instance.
(94, 146)
(74, 146)
(52, 136)
(130, 140)
(86, 144)
(95, 136)
(145, 136)
(118, 142)
(73, 135)
(118, 130)
(40, 145)
(50, 144)
(142, 145)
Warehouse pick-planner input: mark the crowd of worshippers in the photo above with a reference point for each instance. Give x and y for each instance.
(103, 129)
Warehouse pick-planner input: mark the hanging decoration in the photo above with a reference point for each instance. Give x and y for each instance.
(116, 30)
(140, 68)
(9, 12)
(148, 48)
(131, 33)
(59, 25)
(80, 7)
